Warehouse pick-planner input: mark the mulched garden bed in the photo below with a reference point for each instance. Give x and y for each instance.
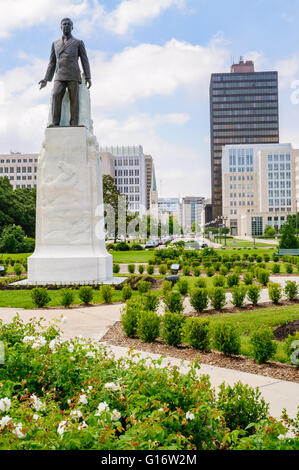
(116, 337)
(283, 331)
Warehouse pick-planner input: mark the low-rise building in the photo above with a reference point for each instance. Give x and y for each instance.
(20, 169)
(193, 210)
(259, 186)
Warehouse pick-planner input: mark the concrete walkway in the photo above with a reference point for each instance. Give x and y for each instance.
(94, 322)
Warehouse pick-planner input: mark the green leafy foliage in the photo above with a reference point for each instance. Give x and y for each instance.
(217, 297)
(86, 294)
(106, 292)
(238, 295)
(197, 333)
(148, 326)
(226, 339)
(174, 302)
(40, 297)
(263, 346)
(199, 299)
(67, 297)
(253, 294)
(172, 328)
(275, 292)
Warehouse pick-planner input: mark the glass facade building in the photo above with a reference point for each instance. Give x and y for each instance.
(243, 110)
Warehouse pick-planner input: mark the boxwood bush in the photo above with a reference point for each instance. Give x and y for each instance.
(197, 333)
(226, 339)
(199, 299)
(263, 346)
(172, 328)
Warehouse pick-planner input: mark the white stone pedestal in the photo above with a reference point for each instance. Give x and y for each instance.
(70, 239)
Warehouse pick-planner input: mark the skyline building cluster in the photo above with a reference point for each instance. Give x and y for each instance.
(254, 178)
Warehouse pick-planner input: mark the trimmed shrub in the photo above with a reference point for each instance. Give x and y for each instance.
(163, 269)
(150, 269)
(151, 302)
(186, 270)
(253, 294)
(166, 287)
(199, 299)
(263, 346)
(106, 292)
(263, 276)
(85, 294)
(210, 271)
(276, 268)
(141, 269)
(232, 280)
(266, 258)
(173, 302)
(219, 281)
(131, 268)
(40, 297)
(248, 279)
(226, 339)
(183, 286)
(274, 291)
(291, 290)
(201, 282)
(172, 328)
(18, 269)
(217, 298)
(289, 268)
(129, 316)
(67, 297)
(136, 247)
(148, 326)
(259, 259)
(223, 270)
(196, 271)
(126, 292)
(197, 333)
(238, 295)
(143, 287)
(241, 406)
(122, 246)
(116, 268)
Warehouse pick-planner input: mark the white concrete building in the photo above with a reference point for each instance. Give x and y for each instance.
(193, 210)
(258, 186)
(130, 174)
(20, 169)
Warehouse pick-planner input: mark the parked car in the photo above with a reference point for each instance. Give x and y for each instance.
(150, 244)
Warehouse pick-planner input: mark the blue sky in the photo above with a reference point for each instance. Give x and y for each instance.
(151, 62)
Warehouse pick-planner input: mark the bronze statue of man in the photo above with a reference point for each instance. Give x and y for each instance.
(63, 62)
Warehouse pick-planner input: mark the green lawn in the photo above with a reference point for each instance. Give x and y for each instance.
(132, 257)
(245, 244)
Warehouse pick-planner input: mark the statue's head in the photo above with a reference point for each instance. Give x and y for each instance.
(66, 26)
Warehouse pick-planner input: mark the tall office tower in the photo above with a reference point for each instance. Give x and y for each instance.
(243, 110)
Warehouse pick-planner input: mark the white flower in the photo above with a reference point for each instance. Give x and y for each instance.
(115, 415)
(76, 414)
(52, 345)
(5, 404)
(82, 425)
(90, 387)
(110, 386)
(39, 342)
(5, 420)
(83, 399)
(90, 354)
(70, 348)
(19, 431)
(190, 416)
(36, 417)
(161, 410)
(103, 406)
(61, 428)
(28, 339)
(37, 403)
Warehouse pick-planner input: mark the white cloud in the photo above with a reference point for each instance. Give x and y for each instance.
(120, 84)
(21, 14)
(149, 70)
(136, 12)
(288, 70)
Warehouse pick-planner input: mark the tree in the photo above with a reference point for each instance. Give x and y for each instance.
(270, 231)
(17, 207)
(288, 239)
(13, 240)
(112, 197)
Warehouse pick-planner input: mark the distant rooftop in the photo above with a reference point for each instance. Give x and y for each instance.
(243, 67)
